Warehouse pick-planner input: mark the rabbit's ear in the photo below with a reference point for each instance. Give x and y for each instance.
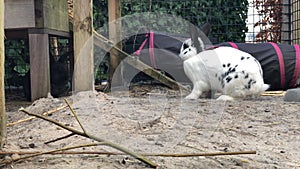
(205, 28)
(194, 33)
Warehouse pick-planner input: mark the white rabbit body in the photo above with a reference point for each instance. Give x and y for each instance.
(234, 73)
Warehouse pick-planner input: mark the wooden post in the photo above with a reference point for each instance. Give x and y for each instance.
(3, 131)
(83, 46)
(115, 35)
(39, 65)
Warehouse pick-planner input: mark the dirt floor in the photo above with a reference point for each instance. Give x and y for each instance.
(155, 120)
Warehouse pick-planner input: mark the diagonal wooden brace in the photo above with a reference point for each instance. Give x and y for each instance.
(107, 45)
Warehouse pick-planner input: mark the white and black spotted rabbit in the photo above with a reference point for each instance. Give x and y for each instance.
(232, 72)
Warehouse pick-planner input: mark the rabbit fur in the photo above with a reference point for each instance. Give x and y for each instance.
(234, 73)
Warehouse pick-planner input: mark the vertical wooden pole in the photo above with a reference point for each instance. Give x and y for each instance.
(83, 46)
(115, 35)
(2, 96)
(39, 65)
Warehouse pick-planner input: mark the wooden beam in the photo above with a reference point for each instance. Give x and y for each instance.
(107, 45)
(115, 35)
(39, 65)
(3, 131)
(50, 32)
(83, 46)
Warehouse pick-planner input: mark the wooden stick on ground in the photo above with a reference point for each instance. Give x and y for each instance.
(273, 93)
(31, 118)
(88, 135)
(2, 162)
(117, 153)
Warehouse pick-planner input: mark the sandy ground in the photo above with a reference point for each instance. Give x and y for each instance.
(156, 120)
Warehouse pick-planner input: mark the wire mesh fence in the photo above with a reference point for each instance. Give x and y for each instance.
(295, 19)
(250, 21)
(17, 67)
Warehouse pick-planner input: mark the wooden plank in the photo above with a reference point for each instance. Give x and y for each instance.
(52, 14)
(23, 33)
(83, 46)
(115, 35)
(16, 33)
(19, 14)
(3, 131)
(39, 65)
(107, 45)
(50, 32)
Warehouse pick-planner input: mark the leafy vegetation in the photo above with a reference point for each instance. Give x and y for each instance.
(228, 18)
(16, 61)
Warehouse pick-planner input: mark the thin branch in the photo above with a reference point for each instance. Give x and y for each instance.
(203, 154)
(31, 118)
(53, 121)
(75, 115)
(144, 154)
(60, 138)
(47, 152)
(87, 135)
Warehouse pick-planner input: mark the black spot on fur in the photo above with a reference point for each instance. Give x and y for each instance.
(185, 46)
(228, 64)
(250, 83)
(236, 76)
(216, 75)
(248, 57)
(224, 65)
(242, 58)
(236, 66)
(228, 79)
(185, 52)
(229, 71)
(246, 76)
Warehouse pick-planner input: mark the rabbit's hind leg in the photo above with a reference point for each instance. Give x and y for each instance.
(198, 89)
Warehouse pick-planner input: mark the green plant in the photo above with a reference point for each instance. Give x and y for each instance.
(228, 18)
(16, 61)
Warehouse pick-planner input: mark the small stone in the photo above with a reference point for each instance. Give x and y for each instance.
(31, 145)
(292, 95)
(15, 156)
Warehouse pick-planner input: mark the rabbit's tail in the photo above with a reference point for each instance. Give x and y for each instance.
(265, 87)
